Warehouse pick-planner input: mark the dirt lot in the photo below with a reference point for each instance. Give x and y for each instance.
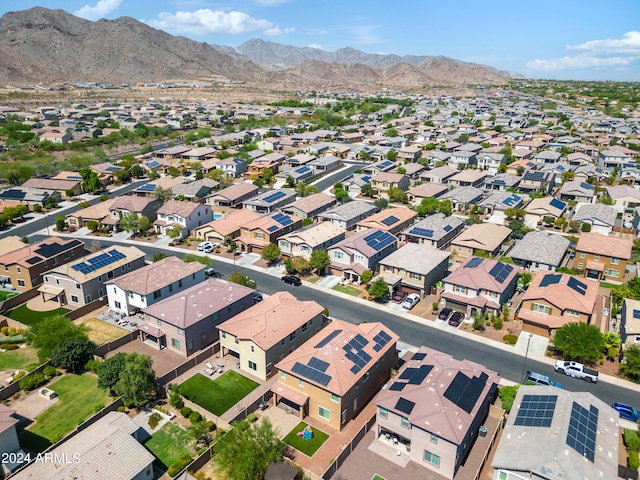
(102, 332)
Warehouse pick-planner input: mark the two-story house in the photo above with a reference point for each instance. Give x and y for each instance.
(486, 237)
(348, 214)
(384, 181)
(303, 242)
(578, 191)
(234, 166)
(228, 226)
(462, 158)
(602, 257)
(271, 200)
(480, 285)
(264, 334)
(537, 181)
(257, 234)
(392, 220)
(468, 178)
(490, 162)
(187, 215)
(418, 266)
(435, 231)
(426, 190)
(128, 204)
(309, 207)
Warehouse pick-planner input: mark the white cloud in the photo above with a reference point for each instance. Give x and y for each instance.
(629, 44)
(206, 21)
(580, 61)
(272, 32)
(366, 35)
(99, 10)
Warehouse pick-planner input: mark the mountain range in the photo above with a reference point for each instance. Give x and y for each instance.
(50, 46)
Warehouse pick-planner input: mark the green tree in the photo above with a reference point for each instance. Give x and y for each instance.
(246, 453)
(131, 223)
(73, 354)
(52, 332)
(301, 264)
(194, 257)
(520, 170)
(319, 260)
(271, 253)
(381, 203)
(391, 155)
(230, 244)
(109, 371)
(379, 289)
(61, 223)
(162, 194)
(502, 168)
(397, 195)
(268, 175)
(242, 279)
(199, 433)
(341, 195)
(144, 224)
(631, 369)
(137, 381)
(430, 205)
(579, 341)
(90, 179)
(136, 171)
(391, 132)
(367, 190)
(514, 213)
(366, 276)
(174, 232)
(507, 395)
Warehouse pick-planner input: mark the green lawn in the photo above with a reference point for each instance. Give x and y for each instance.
(78, 395)
(608, 285)
(17, 359)
(29, 317)
(168, 444)
(348, 289)
(219, 395)
(308, 447)
(377, 477)
(4, 295)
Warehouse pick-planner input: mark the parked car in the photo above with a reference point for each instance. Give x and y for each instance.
(539, 379)
(411, 301)
(398, 297)
(576, 370)
(626, 411)
(456, 319)
(292, 280)
(257, 297)
(204, 246)
(210, 272)
(444, 314)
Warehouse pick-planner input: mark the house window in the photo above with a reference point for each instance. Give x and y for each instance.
(596, 257)
(130, 293)
(87, 299)
(21, 283)
(175, 343)
(159, 321)
(404, 422)
(305, 248)
(338, 255)
(611, 273)
(283, 375)
(384, 413)
(118, 305)
(157, 294)
(180, 331)
(324, 413)
(253, 366)
(203, 337)
(78, 287)
(335, 398)
(502, 476)
(292, 336)
(237, 341)
(100, 292)
(74, 298)
(57, 281)
(580, 265)
(110, 274)
(179, 283)
(432, 458)
(415, 276)
(215, 316)
(260, 235)
(615, 261)
(190, 345)
(253, 349)
(300, 383)
(573, 313)
(583, 254)
(170, 287)
(224, 334)
(537, 307)
(304, 328)
(460, 289)
(434, 438)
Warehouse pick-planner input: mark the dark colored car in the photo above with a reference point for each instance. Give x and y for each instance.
(626, 411)
(398, 297)
(257, 297)
(292, 280)
(456, 319)
(444, 314)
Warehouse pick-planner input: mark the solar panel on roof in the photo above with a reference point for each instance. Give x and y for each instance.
(328, 338)
(33, 260)
(550, 279)
(423, 232)
(418, 356)
(464, 391)
(311, 374)
(636, 314)
(49, 250)
(274, 196)
(577, 285)
(583, 429)
(272, 228)
(586, 186)
(13, 194)
(397, 386)
(390, 220)
(405, 406)
(379, 240)
(318, 364)
(536, 411)
(473, 262)
(497, 268)
(555, 203)
(408, 373)
(447, 228)
(418, 377)
(303, 170)
(95, 263)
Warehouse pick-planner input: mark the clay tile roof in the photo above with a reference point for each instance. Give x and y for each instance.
(605, 245)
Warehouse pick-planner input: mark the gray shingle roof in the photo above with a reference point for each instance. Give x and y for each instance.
(542, 247)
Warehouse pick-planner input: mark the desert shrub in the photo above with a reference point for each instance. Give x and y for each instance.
(633, 461)
(185, 412)
(194, 418)
(33, 381)
(507, 395)
(154, 420)
(10, 346)
(121, 409)
(12, 332)
(50, 371)
(5, 331)
(179, 464)
(510, 339)
(631, 439)
(252, 417)
(211, 426)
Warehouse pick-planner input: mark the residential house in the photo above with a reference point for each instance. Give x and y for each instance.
(384, 181)
(187, 215)
(187, 320)
(611, 157)
(439, 174)
(303, 242)
(95, 213)
(269, 143)
(359, 252)
(56, 137)
(435, 231)
(462, 159)
(411, 153)
(546, 420)
(630, 322)
(625, 199)
(436, 407)
(197, 190)
(265, 333)
(295, 175)
(335, 374)
(602, 257)
(147, 285)
(466, 178)
(498, 202)
(537, 181)
(601, 217)
(109, 448)
(258, 166)
(355, 184)
(29, 196)
(480, 285)
(392, 220)
(10, 243)
(426, 190)
(271, 200)
(228, 226)
(501, 182)
(233, 196)
(418, 267)
(324, 164)
(538, 208)
(128, 204)
(578, 191)
(23, 268)
(379, 167)
(463, 197)
(526, 164)
(541, 250)
(167, 183)
(66, 187)
(547, 156)
(311, 206)
(348, 214)
(233, 166)
(257, 234)
(490, 162)
(81, 282)
(555, 299)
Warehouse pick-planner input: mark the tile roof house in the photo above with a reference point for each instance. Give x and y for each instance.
(128, 204)
(487, 237)
(538, 208)
(555, 299)
(80, 282)
(145, 286)
(29, 196)
(303, 242)
(436, 406)
(435, 230)
(361, 251)
(466, 178)
(384, 181)
(23, 268)
(463, 197)
(500, 201)
(539, 181)
(267, 332)
(480, 285)
(335, 374)
(97, 213)
(624, 197)
(566, 435)
(501, 182)
(228, 226)
(348, 214)
(439, 174)
(417, 266)
(541, 250)
(601, 256)
(257, 234)
(233, 196)
(601, 217)
(577, 190)
(392, 220)
(271, 200)
(309, 207)
(234, 166)
(426, 190)
(186, 321)
(58, 185)
(258, 166)
(187, 215)
(490, 162)
(198, 189)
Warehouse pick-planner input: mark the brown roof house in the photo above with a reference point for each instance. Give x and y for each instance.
(303, 242)
(96, 213)
(392, 220)
(555, 299)
(335, 374)
(227, 226)
(480, 285)
(257, 234)
(384, 181)
(487, 237)
(309, 207)
(233, 196)
(435, 230)
(265, 333)
(602, 257)
(187, 215)
(426, 190)
(186, 321)
(435, 408)
(128, 204)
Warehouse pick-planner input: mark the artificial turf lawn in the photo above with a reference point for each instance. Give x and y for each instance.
(30, 317)
(308, 447)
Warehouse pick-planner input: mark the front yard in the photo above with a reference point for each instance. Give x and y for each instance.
(308, 447)
(219, 395)
(169, 444)
(24, 314)
(348, 289)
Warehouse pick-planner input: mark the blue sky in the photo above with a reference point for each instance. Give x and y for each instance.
(560, 39)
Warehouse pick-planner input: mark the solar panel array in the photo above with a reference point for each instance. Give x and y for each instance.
(423, 232)
(555, 203)
(397, 386)
(385, 164)
(49, 250)
(274, 196)
(473, 262)
(583, 426)
(636, 314)
(148, 187)
(318, 364)
(310, 373)
(464, 391)
(536, 411)
(577, 285)
(113, 169)
(379, 240)
(501, 271)
(283, 219)
(33, 260)
(13, 194)
(303, 170)
(272, 228)
(356, 354)
(152, 163)
(390, 220)
(447, 228)
(418, 356)
(550, 279)
(95, 263)
(328, 338)
(381, 339)
(535, 176)
(405, 406)
(512, 200)
(586, 186)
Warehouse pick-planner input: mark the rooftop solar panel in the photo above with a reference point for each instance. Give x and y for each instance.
(418, 356)
(408, 373)
(583, 426)
(318, 364)
(13, 194)
(550, 279)
(555, 203)
(272, 228)
(464, 391)
(97, 262)
(577, 285)
(390, 220)
(447, 228)
(33, 260)
(586, 186)
(536, 411)
(418, 377)
(274, 196)
(405, 406)
(311, 374)
(423, 232)
(397, 386)
(49, 250)
(473, 262)
(636, 314)
(328, 338)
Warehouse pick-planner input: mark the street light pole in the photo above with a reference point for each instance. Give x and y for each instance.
(526, 354)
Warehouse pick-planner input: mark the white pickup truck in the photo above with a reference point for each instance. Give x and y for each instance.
(576, 370)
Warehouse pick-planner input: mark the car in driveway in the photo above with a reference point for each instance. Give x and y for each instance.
(210, 272)
(398, 297)
(444, 314)
(411, 301)
(626, 411)
(456, 319)
(207, 247)
(292, 280)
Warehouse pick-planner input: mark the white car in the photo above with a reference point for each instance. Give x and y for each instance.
(411, 301)
(204, 246)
